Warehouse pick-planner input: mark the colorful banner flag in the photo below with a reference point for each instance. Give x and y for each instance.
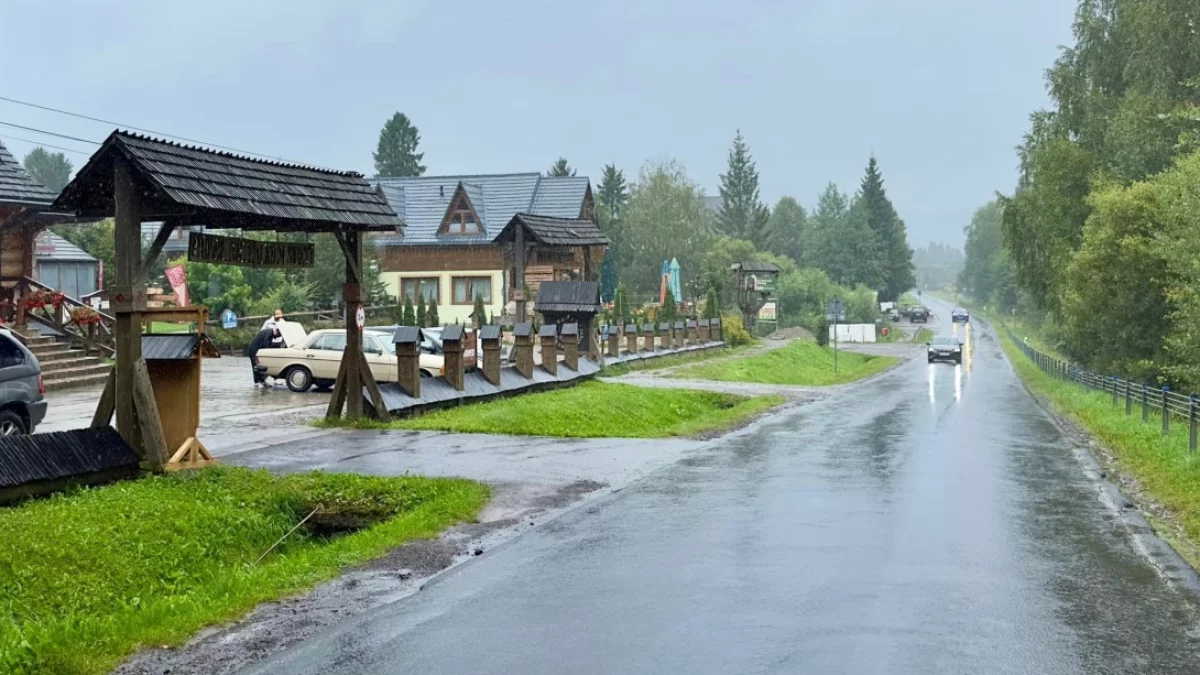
(178, 279)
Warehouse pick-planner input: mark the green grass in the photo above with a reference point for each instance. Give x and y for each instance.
(923, 336)
(672, 361)
(88, 576)
(161, 327)
(595, 410)
(1162, 465)
(800, 363)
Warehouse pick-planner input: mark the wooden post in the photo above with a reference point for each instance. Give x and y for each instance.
(648, 337)
(664, 333)
(523, 349)
(489, 338)
(452, 347)
(128, 300)
(408, 359)
(570, 338)
(352, 356)
(519, 272)
(549, 338)
(714, 330)
(614, 341)
(680, 328)
(693, 332)
(631, 337)
(702, 325)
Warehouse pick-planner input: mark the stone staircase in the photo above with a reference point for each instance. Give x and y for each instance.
(63, 367)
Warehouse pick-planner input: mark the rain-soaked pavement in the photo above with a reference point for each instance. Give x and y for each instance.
(934, 520)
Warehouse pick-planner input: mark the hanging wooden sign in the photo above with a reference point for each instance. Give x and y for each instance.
(210, 248)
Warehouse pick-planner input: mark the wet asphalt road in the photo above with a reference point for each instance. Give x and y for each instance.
(934, 520)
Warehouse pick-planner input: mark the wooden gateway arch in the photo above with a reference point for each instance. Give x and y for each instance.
(136, 178)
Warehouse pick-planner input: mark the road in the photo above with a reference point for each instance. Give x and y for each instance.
(934, 520)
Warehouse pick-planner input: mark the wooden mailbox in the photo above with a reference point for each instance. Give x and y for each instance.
(664, 332)
(631, 336)
(648, 337)
(613, 339)
(570, 338)
(452, 347)
(548, 336)
(702, 329)
(523, 349)
(693, 332)
(173, 363)
(489, 337)
(408, 359)
(678, 334)
(714, 330)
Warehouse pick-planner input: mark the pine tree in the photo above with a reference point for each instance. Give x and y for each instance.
(741, 215)
(396, 155)
(410, 317)
(420, 309)
(712, 305)
(613, 191)
(478, 312)
(561, 168)
(431, 315)
(895, 257)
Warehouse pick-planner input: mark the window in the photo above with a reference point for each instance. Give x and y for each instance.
(10, 354)
(461, 218)
(466, 288)
(430, 288)
(331, 342)
(371, 345)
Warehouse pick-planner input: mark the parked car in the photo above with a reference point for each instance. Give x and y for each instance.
(945, 348)
(894, 314)
(918, 315)
(314, 362)
(22, 402)
(960, 315)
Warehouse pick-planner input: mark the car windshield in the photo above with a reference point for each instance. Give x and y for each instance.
(945, 342)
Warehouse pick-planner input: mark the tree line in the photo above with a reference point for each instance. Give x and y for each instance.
(1097, 243)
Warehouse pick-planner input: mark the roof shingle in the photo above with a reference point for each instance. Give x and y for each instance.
(555, 231)
(17, 187)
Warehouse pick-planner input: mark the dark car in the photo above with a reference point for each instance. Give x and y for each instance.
(945, 348)
(960, 315)
(918, 315)
(22, 406)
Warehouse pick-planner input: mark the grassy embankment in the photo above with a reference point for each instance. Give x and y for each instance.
(88, 576)
(1161, 465)
(594, 410)
(674, 360)
(922, 336)
(800, 363)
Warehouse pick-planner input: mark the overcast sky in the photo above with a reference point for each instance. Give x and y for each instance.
(938, 90)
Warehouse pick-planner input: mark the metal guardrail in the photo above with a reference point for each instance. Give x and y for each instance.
(1166, 403)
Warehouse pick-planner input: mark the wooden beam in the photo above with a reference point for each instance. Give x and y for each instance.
(338, 400)
(154, 440)
(353, 262)
(519, 271)
(127, 244)
(156, 247)
(372, 386)
(108, 402)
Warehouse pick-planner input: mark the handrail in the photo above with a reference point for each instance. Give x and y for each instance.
(94, 336)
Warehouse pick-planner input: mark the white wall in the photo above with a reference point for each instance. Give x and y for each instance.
(853, 332)
(448, 312)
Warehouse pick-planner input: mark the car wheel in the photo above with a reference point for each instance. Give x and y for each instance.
(298, 379)
(426, 373)
(11, 424)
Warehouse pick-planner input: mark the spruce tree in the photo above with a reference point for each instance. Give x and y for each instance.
(895, 257)
(742, 215)
(478, 312)
(410, 317)
(396, 155)
(431, 315)
(712, 305)
(669, 311)
(561, 168)
(420, 309)
(613, 191)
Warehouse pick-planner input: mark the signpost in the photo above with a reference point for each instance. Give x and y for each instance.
(360, 317)
(835, 312)
(229, 319)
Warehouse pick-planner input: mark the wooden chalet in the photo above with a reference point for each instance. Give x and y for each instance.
(449, 252)
(24, 211)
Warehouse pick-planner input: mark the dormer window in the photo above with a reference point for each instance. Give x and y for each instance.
(460, 217)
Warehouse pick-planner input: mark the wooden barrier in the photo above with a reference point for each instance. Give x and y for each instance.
(631, 338)
(549, 340)
(489, 338)
(452, 349)
(523, 349)
(648, 337)
(570, 339)
(408, 359)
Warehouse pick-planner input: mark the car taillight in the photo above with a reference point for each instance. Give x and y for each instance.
(41, 385)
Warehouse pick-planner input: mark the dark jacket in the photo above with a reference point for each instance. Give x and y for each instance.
(260, 341)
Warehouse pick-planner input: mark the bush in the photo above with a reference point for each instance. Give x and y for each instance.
(345, 502)
(431, 315)
(821, 331)
(712, 306)
(735, 332)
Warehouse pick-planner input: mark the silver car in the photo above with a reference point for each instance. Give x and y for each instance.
(22, 402)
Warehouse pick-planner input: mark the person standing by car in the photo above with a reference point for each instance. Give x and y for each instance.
(275, 319)
(264, 340)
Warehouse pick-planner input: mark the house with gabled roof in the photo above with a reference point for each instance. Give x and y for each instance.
(23, 205)
(448, 250)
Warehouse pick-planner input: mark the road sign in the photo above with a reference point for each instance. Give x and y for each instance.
(360, 318)
(229, 319)
(835, 310)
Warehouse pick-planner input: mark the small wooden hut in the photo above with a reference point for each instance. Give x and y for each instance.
(526, 233)
(566, 302)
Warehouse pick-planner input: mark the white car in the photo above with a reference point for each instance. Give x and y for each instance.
(316, 357)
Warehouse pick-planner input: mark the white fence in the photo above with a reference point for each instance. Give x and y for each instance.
(853, 332)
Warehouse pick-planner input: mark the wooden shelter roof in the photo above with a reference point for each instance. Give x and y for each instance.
(549, 231)
(17, 188)
(568, 296)
(198, 186)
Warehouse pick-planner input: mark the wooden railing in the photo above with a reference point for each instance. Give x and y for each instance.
(93, 337)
